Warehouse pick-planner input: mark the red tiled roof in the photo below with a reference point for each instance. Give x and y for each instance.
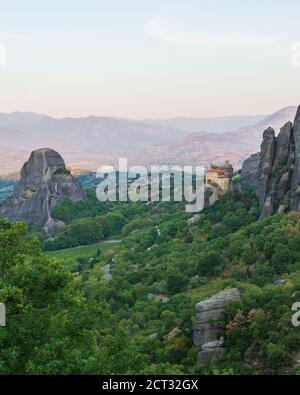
(218, 171)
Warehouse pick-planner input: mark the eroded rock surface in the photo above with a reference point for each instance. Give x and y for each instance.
(274, 173)
(249, 170)
(45, 182)
(207, 329)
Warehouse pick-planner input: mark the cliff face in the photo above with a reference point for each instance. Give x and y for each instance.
(44, 184)
(295, 203)
(207, 327)
(274, 173)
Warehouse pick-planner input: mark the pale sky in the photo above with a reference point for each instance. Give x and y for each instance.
(149, 58)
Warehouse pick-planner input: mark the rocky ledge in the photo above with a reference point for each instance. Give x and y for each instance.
(207, 328)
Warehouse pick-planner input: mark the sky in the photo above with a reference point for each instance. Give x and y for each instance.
(149, 58)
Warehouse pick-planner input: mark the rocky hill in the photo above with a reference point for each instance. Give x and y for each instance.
(45, 183)
(274, 172)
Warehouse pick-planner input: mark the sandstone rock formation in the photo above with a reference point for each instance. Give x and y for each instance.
(207, 326)
(265, 165)
(274, 173)
(45, 182)
(295, 187)
(249, 170)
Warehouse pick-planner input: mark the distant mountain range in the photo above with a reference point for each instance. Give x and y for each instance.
(210, 125)
(205, 148)
(89, 142)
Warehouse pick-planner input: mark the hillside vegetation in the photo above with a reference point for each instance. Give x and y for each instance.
(130, 308)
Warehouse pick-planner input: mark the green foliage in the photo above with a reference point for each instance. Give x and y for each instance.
(79, 232)
(69, 211)
(86, 231)
(176, 282)
(91, 221)
(78, 323)
(260, 330)
(51, 328)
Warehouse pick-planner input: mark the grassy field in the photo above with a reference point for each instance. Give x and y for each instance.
(84, 251)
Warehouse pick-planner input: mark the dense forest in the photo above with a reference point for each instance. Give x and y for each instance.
(74, 318)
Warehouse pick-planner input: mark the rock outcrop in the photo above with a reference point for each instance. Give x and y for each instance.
(249, 170)
(295, 202)
(45, 182)
(265, 164)
(274, 173)
(207, 325)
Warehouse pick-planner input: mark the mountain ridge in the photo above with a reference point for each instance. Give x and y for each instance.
(92, 141)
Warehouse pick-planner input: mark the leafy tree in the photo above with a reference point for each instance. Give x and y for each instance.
(45, 312)
(176, 281)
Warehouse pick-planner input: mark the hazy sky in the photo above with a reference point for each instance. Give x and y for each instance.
(149, 58)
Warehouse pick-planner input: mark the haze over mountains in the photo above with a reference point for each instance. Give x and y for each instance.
(205, 148)
(87, 143)
(210, 125)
